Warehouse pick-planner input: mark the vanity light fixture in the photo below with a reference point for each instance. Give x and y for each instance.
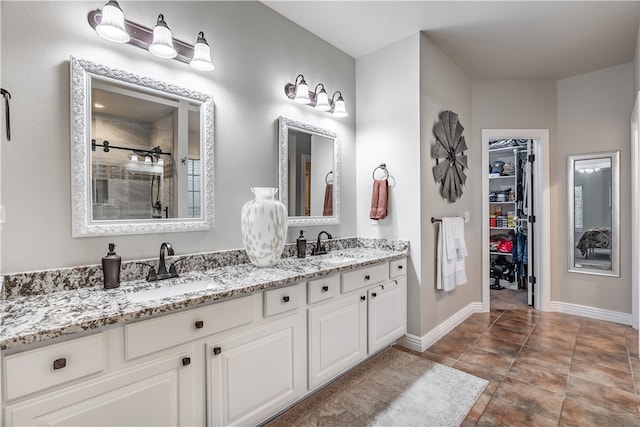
(339, 108)
(322, 99)
(110, 24)
(162, 45)
(301, 91)
(318, 99)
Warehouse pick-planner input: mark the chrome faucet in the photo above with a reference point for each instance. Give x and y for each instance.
(320, 249)
(162, 266)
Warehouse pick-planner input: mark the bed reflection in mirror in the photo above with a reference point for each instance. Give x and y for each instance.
(594, 236)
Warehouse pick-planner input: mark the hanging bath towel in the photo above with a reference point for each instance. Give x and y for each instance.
(451, 252)
(379, 199)
(328, 201)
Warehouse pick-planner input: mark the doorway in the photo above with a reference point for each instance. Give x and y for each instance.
(520, 195)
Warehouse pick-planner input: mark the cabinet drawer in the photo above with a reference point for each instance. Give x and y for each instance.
(324, 289)
(153, 335)
(283, 299)
(398, 268)
(364, 277)
(53, 365)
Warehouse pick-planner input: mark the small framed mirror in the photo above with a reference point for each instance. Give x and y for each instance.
(309, 183)
(594, 213)
(141, 154)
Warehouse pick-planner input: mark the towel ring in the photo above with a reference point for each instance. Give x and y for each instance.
(382, 166)
(326, 178)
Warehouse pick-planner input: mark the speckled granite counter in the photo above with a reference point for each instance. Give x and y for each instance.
(46, 315)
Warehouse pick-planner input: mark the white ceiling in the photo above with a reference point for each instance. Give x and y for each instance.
(487, 39)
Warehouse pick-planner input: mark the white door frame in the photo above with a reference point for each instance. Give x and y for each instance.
(635, 215)
(541, 203)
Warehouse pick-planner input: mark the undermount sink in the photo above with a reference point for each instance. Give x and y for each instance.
(171, 291)
(338, 260)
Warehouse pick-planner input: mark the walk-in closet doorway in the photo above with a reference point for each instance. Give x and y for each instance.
(521, 200)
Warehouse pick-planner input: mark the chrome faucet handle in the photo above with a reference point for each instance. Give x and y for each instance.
(152, 276)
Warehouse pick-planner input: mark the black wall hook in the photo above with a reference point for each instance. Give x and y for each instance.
(7, 96)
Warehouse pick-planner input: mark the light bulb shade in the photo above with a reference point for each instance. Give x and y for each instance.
(202, 55)
(339, 108)
(162, 45)
(111, 25)
(302, 92)
(322, 101)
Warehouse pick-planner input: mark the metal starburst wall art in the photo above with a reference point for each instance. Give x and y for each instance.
(448, 151)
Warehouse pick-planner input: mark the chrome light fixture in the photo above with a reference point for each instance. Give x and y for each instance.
(299, 92)
(202, 54)
(322, 99)
(339, 108)
(110, 24)
(162, 45)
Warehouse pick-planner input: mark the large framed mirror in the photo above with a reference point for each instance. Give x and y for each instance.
(309, 183)
(594, 213)
(141, 154)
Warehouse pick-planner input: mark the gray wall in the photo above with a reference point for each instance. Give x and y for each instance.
(255, 50)
(388, 131)
(594, 112)
(444, 86)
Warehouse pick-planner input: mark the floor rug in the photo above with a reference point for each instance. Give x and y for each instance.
(395, 388)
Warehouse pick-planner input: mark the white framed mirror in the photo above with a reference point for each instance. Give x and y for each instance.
(141, 154)
(594, 213)
(309, 173)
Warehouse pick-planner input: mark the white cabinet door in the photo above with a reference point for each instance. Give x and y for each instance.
(337, 337)
(387, 313)
(153, 394)
(252, 375)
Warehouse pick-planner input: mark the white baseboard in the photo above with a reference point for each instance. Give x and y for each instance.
(422, 343)
(591, 312)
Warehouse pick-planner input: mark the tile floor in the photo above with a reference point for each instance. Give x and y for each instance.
(544, 369)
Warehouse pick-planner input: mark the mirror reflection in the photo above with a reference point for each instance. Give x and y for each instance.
(309, 173)
(594, 213)
(141, 154)
(134, 138)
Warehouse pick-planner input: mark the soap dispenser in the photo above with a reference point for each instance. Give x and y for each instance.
(111, 268)
(302, 245)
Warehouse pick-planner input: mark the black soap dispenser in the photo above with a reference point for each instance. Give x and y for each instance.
(111, 268)
(302, 245)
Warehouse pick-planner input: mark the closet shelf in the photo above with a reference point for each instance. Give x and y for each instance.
(501, 203)
(502, 228)
(500, 253)
(502, 177)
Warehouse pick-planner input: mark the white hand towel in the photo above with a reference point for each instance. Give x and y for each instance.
(451, 251)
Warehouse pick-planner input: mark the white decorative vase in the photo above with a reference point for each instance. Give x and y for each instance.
(264, 227)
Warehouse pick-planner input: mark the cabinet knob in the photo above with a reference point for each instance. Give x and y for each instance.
(59, 363)
(199, 324)
(400, 267)
(217, 350)
(325, 288)
(374, 294)
(285, 299)
(362, 298)
(367, 277)
(186, 361)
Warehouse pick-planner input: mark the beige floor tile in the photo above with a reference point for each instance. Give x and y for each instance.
(543, 378)
(535, 399)
(579, 413)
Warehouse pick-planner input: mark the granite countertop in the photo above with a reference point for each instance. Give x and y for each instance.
(39, 317)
